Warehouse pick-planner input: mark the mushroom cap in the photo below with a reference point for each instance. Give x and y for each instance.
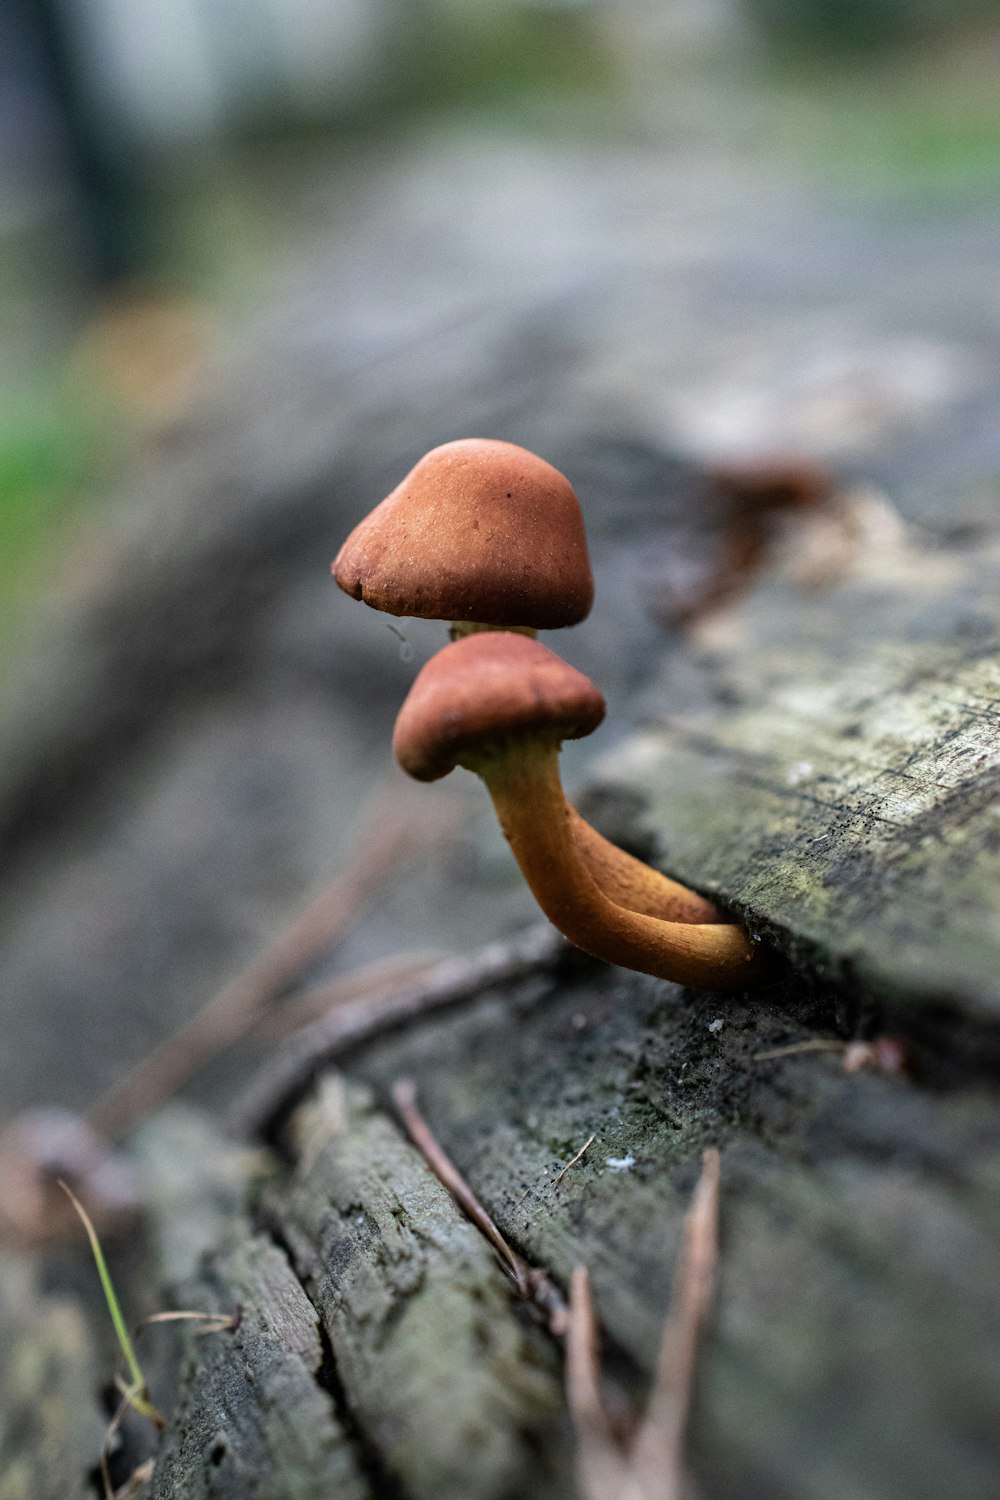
(478, 530)
(483, 689)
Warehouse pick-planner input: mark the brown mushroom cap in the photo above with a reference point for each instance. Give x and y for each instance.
(484, 688)
(478, 530)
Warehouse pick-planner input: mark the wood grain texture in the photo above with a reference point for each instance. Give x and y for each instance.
(830, 765)
(51, 1427)
(454, 1388)
(853, 1348)
(252, 1414)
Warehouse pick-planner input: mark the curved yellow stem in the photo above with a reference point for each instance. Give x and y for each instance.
(539, 825)
(627, 880)
(631, 883)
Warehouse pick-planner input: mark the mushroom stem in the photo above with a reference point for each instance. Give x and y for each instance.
(459, 628)
(627, 880)
(523, 782)
(636, 885)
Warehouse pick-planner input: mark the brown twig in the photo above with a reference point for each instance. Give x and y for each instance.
(386, 834)
(531, 1283)
(651, 1466)
(601, 1462)
(814, 1044)
(214, 1322)
(287, 1075)
(657, 1452)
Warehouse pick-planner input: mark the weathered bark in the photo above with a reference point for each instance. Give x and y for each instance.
(853, 1347)
(50, 1426)
(852, 1350)
(839, 801)
(255, 1413)
(834, 770)
(457, 1393)
(377, 1350)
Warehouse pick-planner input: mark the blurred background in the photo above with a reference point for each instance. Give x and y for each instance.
(258, 255)
(163, 162)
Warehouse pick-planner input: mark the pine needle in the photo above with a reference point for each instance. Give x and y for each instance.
(135, 1392)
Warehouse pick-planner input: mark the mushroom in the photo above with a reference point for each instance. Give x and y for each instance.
(490, 536)
(500, 705)
(481, 533)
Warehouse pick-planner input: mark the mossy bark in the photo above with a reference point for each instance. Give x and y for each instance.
(838, 789)
(381, 1348)
(51, 1426)
(830, 766)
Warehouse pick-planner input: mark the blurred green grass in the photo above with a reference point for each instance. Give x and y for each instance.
(922, 126)
(51, 447)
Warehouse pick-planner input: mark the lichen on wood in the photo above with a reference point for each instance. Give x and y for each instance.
(51, 1427)
(253, 1414)
(457, 1392)
(831, 767)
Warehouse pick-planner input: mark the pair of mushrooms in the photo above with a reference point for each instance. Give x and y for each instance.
(490, 537)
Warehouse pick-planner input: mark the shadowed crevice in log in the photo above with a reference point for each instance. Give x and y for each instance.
(252, 1402)
(451, 1386)
(248, 1401)
(383, 1483)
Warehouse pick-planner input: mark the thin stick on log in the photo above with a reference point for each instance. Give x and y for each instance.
(651, 1466)
(531, 1283)
(792, 1049)
(657, 1452)
(387, 833)
(601, 1464)
(383, 976)
(277, 1086)
(573, 1161)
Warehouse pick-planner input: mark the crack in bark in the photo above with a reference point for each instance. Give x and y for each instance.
(384, 1484)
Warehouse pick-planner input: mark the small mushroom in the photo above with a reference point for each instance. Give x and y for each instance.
(490, 536)
(501, 705)
(480, 533)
